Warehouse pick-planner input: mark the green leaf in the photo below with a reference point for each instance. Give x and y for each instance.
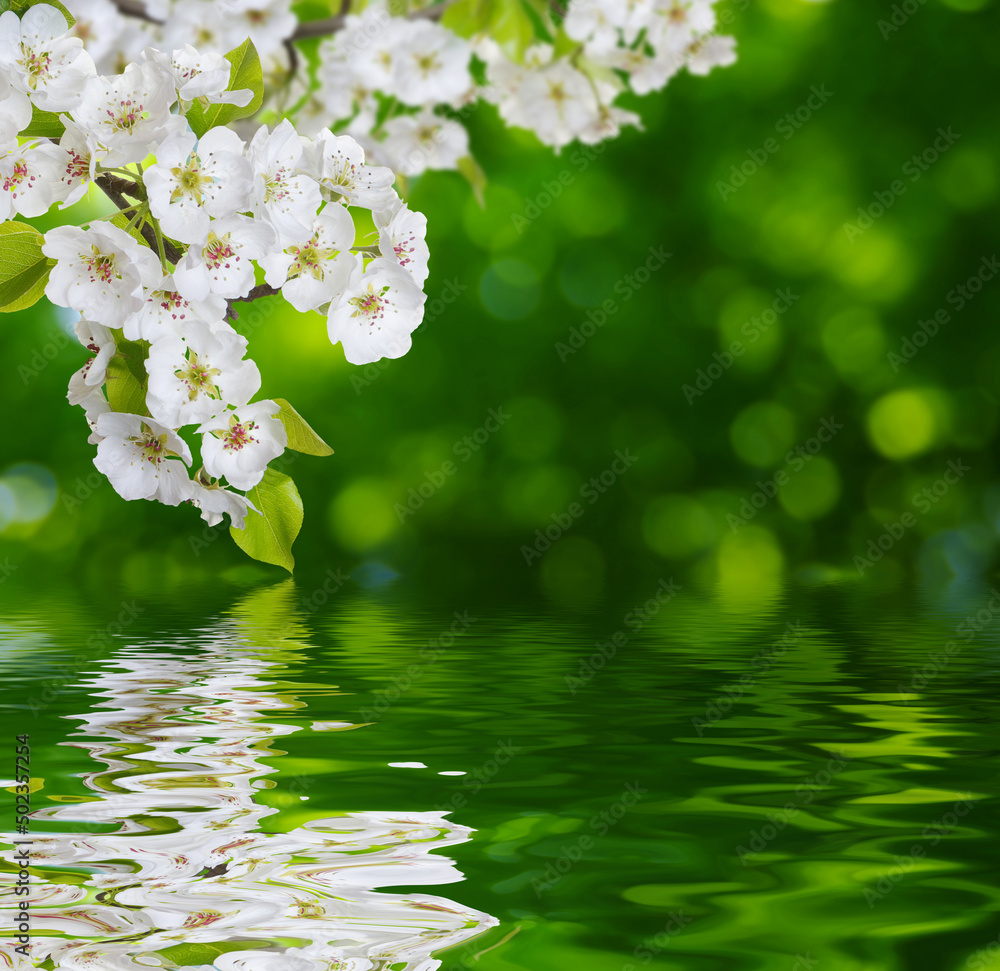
(301, 437)
(184, 955)
(268, 536)
(127, 377)
(44, 124)
(122, 220)
(246, 73)
(476, 178)
(505, 21)
(24, 269)
(564, 45)
(19, 6)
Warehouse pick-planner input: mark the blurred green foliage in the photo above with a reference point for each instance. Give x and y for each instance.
(787, 300)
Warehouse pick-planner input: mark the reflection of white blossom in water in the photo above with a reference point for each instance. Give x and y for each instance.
(189, 864)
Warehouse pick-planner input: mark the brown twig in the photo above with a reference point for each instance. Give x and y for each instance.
(261, 290)
(135, 8)
(116, 189)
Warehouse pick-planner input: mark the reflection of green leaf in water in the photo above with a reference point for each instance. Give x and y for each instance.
(185, 955)
(272, 616)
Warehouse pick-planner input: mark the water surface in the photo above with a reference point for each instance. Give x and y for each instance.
(803, 780)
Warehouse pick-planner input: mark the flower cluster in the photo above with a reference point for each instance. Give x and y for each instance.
(211, 215)
(399, 81)
(238, 158)
(641, 43)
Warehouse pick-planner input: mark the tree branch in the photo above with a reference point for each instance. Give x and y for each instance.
(116, 189)
(135, 8)
(261, 290)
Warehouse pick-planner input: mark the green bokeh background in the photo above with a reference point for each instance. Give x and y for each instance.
(522, 274)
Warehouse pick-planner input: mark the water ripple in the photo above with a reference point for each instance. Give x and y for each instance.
(187, 876)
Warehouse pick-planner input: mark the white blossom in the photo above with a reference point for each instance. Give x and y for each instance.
(430, 65)
(193, 180)
(195, 75)
(676, 23)
(594, 23)
(99, 272)
(100, 342)
(238, 445)
(221, 263)
(30, 179)
(128, 115)
(194, 377)
(42, 60)
(342, 91)
(79, 165)
(555, 101)
(94, 404)
(416, 143)
(337, 162)
(136, 35)
(220, 27)
(197, 22)
(706, 53)
(368, 47)
(214, 501)
(312, 273)
(646, 71)
(142, 459)
(284, 196)
(403, 238)
(377, 312)
(15, 110)
(165, 312)
(99, 25)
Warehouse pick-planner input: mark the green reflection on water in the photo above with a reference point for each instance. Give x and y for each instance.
(806, 781)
